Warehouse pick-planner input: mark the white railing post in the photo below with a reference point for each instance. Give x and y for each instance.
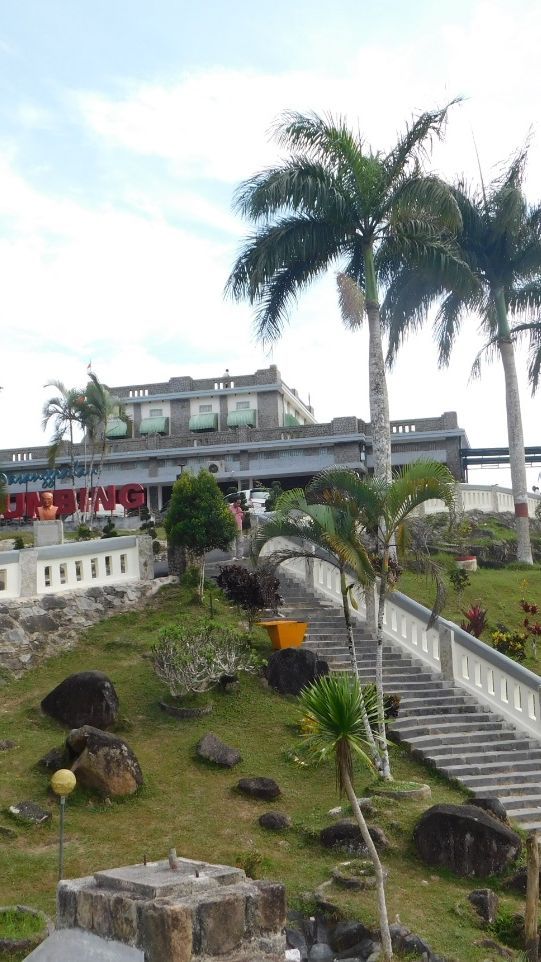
(28, 567)
(446, 653)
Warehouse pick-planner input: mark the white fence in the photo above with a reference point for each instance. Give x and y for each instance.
(73, 566)
(488, 498)
(506, 687)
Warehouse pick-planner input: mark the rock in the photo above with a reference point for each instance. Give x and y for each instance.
(52, 602)
(212, 749)
(292, 669)
(320, 952)
(265, 788)
(465, 840)
(275, 821)
(293, 955)
(415, 944)
(103, 762)
(54, 759)
(517, 883)
(38, 623)
(296, 940)
(347, 934)
(485, 903)
(493, 806)
(30, 812)
(495, 947)
(346, 836)
(6, 745)
(86, 698)
(365, 805)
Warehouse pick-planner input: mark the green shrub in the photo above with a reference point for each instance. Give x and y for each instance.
(83, 533)
(18, 542)
(194, 658)
(510, 643)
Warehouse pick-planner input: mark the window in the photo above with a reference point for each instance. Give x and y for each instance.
(123, 565)
(155, 413)
(63, 574)
(205, 408)
(47, 576)
(79, 570)
(108, 564)
(3, 579)
(94, 567)
(243, 405)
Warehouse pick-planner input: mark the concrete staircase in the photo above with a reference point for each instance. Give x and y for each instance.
(439, 722)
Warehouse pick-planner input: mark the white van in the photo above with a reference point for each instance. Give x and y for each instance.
(255, 498)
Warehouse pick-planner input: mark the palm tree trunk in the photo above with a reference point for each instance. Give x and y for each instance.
(383, 749)
(517, 456)
(353, 655)
(374, 857)
(377, 382)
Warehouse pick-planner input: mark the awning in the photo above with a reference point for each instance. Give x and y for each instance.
(290, 421)
(204, 422)
(154, 426)
(116, 428)
(245, 418)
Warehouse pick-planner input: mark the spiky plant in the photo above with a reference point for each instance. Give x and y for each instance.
(331, 711)
(336, 203)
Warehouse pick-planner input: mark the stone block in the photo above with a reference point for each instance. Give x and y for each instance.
(221, 921)
(48, 532)
(271, 906)
(123, 919)
(164, 931)
(67, 894)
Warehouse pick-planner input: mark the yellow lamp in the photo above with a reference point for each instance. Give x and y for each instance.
(62, 783)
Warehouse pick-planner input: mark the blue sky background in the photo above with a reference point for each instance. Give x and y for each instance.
(124, 129)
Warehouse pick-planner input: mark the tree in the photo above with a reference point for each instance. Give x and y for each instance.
(334, 200)
(98, 407)
(65, 410)
(198, 520)
(381, 508)
(499, 244)
(332, 724)
(326, 532)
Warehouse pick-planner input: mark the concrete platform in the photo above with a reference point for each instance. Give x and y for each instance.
(74, 945)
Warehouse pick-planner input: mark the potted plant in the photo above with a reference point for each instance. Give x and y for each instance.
(464, 559)
(255, 591)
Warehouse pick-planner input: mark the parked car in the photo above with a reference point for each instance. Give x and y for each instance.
(255, 498)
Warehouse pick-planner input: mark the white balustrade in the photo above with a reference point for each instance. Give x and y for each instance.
(490, 499)
(508, 688)
(70, 566)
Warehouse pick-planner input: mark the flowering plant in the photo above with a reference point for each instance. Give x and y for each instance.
(510, 643)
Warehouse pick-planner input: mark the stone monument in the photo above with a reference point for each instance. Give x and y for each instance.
(175, 910)
(48, 529)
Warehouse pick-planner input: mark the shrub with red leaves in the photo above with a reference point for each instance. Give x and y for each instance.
(476, 620)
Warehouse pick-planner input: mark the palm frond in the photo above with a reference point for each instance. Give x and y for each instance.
(420, 195)
(416, 483)
(301, 185)
(417, 140)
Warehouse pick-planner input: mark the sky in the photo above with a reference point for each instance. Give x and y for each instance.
(125, 128)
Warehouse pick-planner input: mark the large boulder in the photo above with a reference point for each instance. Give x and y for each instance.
(259, 787)
(465, 840)
(292, 669)
(103, 762)
(86, 698)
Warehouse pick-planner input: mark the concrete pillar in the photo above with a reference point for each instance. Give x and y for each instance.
(28, 568)
(446, 653)
(146, 558)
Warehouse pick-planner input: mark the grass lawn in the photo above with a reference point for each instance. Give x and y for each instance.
(498, 590)
(193, 807)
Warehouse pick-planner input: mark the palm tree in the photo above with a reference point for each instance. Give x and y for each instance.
(500, 245)
(331, 711)
(98, 408)
(381, 508)
(324, 531)
(65, 411)
(334, 201)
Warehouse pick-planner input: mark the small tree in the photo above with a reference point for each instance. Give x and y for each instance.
(198, 520)
(148, 526)
(109, 530)
(333, 728)
(250, 590)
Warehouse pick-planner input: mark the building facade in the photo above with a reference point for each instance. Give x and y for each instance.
(244, 429)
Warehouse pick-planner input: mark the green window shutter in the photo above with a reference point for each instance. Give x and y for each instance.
(116, 428)
(154, 426)
(290, 421)
(204, 422)
(236, 419)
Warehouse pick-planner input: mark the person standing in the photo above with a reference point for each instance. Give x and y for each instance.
(238, 514)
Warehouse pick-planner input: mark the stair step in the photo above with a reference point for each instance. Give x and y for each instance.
(499, 767)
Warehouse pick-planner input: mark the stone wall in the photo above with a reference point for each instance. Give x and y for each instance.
(32, 629)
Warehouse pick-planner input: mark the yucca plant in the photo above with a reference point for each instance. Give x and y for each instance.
(332, 727)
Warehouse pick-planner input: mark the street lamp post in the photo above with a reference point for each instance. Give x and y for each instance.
(62, 783)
